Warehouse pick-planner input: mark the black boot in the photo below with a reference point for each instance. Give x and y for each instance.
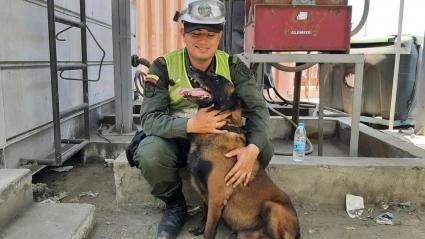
(174, 217)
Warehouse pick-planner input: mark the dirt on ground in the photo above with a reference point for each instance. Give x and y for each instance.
(93, 183)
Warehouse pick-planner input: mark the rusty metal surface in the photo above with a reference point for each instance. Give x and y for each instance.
(157, 33)
(284, 82)
(300, 28)
(318, 2)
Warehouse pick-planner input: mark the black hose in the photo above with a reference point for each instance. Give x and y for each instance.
(136, 60)
(139, 80)
(363, 19)
(292, 68)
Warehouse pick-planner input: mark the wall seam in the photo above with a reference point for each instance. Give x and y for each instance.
(71, 13)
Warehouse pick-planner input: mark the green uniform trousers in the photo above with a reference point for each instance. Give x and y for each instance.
(159, 159)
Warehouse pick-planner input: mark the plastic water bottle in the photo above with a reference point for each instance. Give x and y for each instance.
(299, 143)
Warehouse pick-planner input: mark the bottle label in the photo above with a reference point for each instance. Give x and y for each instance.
(299, 146)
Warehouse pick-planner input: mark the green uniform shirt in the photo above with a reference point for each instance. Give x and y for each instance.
(156, 119)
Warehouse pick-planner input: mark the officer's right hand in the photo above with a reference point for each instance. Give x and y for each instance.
(207, 121)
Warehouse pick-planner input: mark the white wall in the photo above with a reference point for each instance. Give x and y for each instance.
(25, 93)
(383, 17)
(2, 123)
(24, 38)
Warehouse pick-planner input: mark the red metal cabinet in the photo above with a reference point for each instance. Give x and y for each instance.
(278, 27)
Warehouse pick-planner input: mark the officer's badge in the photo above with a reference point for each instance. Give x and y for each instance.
(204, 10)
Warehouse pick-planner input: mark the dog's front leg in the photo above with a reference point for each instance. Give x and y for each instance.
(216, 195)
(215, 208)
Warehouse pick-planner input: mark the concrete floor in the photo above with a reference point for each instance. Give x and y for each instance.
(138, 222)
(407, 135)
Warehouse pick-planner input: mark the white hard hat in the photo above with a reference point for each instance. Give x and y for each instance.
(187, 2)
(203, 12)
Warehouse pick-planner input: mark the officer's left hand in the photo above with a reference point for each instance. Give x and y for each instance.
(241, 172)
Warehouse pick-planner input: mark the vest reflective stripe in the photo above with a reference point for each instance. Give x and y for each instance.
(177, 72)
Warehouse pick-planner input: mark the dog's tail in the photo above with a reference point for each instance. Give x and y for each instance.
(282, 221)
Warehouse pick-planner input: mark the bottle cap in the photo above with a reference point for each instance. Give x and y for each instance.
(300, 124)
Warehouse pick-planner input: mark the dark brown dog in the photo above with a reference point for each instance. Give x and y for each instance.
(259, 210)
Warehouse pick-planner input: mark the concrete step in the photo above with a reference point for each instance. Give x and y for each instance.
(132, 189)
(316, 181)
(15, 193)
(327, 180)
(53, 221)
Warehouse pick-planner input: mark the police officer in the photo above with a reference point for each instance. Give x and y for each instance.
(167, 118)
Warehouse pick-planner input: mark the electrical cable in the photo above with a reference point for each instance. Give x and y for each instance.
(64, 30)
(101, 61)
(363, 19)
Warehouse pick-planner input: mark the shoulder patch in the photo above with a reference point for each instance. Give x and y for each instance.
(151, 79)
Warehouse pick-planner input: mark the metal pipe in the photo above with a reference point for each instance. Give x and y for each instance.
(66, 155)
(72, 141)
(85, 70)
(357, 103)
(54, 80)
(69, 67)
(357, 59)
(17, 138)
(320, 122)
(420, 117)
(74, 149)
(74, 110)
(297, 92)
(44, 161)
(41, 64)
(123, 84)
(307, 58)
(69, 22)
(396, 65)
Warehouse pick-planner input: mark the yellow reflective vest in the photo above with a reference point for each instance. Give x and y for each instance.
(177, 73)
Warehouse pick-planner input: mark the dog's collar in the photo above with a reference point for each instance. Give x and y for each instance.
(233, 129)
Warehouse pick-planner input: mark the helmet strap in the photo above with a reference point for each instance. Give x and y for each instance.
(176, 16)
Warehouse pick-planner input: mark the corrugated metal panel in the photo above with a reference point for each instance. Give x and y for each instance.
(284, 82)
(156, 31)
